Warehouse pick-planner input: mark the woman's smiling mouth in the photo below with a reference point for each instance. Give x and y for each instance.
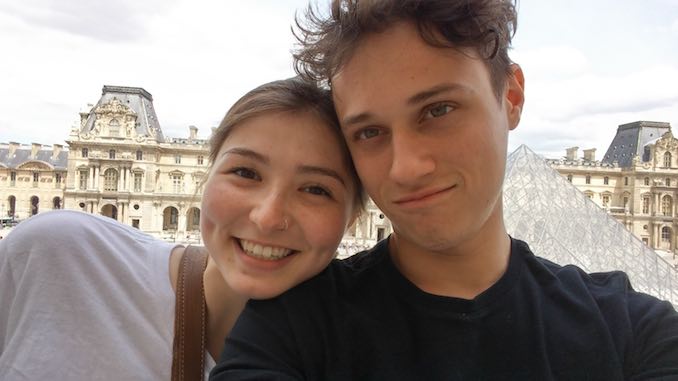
(269, 253)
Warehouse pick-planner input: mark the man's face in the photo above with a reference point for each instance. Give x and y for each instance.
(428, 135)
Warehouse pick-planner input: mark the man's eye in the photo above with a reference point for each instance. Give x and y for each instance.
(366, 133)
(438, 110)
(318, 191)
(246, 173)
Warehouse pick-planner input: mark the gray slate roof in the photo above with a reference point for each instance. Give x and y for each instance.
(631, 139)
(23, 155)
(136, 98)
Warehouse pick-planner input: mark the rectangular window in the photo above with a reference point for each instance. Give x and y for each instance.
(137, 182)
(606, 200)
(588, 179)
(85, 152)
(626, 181)
(140, 155)
(57, 180)
(646, 205)
(626, 202)
(200, 160)
(177, 159)
(36, 178)
(84, 176)
(135, 223)
(111, 154)
(12, 179)
(177, 183)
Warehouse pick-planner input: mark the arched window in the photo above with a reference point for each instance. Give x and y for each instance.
(111, 180)
(667, 205)
(193, 219)
(11, 200)
(666, 234)
(667, 160)
(170, 218)
(35, 201)
(114, 127)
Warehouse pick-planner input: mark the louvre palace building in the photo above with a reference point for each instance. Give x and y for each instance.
(636, 181)
(119, 164)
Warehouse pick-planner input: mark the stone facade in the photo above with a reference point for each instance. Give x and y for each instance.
(32, 179)
(642, 193)
(119, 164)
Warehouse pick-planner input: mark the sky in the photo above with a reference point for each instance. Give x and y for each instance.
(590, 65)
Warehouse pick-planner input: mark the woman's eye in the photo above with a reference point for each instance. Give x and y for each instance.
(318, 191)
(246, 173)
(438, 110)
(366, 133)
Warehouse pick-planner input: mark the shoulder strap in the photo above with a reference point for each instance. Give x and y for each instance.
(190, 317)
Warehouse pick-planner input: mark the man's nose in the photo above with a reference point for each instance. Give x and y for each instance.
(411, 158)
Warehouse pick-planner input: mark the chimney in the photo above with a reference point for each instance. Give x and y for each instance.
(56, 151)
(571, 153)
(12, 149)
(194, 132)
(590, 154)
(35, 148)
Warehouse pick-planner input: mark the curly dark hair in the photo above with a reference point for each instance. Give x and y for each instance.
(326, 43)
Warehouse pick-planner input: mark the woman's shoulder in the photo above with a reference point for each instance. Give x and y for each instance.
(75, 240)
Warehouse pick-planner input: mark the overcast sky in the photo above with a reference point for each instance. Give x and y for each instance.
(590, 65)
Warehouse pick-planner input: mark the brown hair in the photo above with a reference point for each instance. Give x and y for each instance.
(288, 95)
(484, 25)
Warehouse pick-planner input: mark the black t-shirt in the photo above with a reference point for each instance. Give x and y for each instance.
(360, 319)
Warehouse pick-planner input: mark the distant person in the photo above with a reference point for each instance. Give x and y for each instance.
(426, 95)
(83, 297)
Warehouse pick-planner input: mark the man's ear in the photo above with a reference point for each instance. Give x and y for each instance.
(515, 95)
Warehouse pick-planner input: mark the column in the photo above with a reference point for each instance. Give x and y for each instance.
(91, 178)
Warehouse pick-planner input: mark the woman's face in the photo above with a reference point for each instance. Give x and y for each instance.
(276, 204)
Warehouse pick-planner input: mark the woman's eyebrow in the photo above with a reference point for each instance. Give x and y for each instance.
(247, 153)
(311, 169)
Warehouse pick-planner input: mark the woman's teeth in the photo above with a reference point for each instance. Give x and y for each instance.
(264, 252)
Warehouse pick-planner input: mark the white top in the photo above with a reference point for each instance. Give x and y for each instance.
(83, 297)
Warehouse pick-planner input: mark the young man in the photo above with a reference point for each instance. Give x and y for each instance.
(426, 96)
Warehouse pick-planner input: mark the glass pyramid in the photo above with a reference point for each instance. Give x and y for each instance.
(561, 224)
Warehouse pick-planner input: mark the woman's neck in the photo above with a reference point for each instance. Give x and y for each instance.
(223, 308)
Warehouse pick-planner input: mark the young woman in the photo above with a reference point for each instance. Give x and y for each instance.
(84, 297)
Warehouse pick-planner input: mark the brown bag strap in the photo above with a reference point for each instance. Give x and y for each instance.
(188, 360)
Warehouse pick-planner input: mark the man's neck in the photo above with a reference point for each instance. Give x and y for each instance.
(462, 271)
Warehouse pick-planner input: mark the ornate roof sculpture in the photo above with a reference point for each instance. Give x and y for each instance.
(122, 112)
(561, 224)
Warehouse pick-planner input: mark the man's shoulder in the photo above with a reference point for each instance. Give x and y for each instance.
(608, 288)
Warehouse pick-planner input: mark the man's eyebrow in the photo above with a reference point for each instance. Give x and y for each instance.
(356, 119)
(425, 95)
(311, 169)
(247, 153)
(419, 97)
